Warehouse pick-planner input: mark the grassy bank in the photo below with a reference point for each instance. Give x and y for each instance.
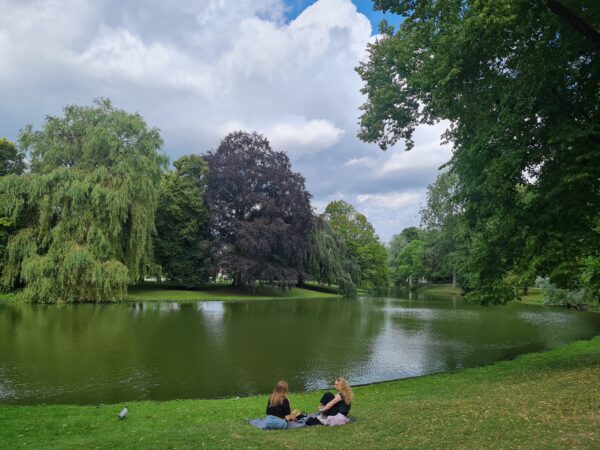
(543, 400)
(441, 289)
(6, 297)
(154, 293)
(535, 296)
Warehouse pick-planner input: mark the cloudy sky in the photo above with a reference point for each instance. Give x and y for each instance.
(197, 69)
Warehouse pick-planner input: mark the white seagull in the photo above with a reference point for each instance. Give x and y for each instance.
(123, 413)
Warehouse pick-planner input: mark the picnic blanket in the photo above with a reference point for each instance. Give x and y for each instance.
(261, 422)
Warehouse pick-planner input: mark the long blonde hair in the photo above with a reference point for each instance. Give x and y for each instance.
(279, 394)
(345, 390)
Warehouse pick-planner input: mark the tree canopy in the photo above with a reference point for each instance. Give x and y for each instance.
(11, 158)
(182, 223)
(86, 207)
(329, 260)
(11, 162)
(519, 83)
(363, 244)
(260, 211)
(403, 254)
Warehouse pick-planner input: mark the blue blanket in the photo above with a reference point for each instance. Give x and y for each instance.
(261, 422)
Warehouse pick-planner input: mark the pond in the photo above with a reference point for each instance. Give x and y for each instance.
(90, 354)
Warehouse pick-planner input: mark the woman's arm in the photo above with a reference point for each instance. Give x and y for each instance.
(287, 409)
(336, 399)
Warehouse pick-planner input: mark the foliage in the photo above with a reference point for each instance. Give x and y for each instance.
(363, 244)
(410, 265)
(11, 158)
(11, 162)
(563, 297)
(260, 211)
(590, 275)
(6, 226)
(329, 260)
(396, 247)
(182, 223)
(520, 86)
(87, 206)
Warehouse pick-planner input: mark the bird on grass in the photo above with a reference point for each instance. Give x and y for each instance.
(123, 414)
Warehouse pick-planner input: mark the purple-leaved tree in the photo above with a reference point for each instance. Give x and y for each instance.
(260, 209)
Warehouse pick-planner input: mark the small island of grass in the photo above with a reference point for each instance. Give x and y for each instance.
(147, 293)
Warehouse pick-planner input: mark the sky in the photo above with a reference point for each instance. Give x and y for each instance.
(198, 69)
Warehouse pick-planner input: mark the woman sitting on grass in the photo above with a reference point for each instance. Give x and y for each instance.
(340, 403)
(278, 408)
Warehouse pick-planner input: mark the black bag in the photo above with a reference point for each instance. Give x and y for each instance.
(311, 421)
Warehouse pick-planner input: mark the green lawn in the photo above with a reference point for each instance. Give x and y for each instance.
(543, 400)
(441, 289)
(535, 296)
(6, 296)
(152, 293)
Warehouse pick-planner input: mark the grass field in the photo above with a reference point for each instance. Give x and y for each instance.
(6, 296)
(441, 289)
(542, 400)
(535, 296)
(151, 293)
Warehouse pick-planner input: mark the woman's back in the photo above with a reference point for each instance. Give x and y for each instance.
(281, 410)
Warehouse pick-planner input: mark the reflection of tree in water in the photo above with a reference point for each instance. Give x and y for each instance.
(110, 353)
(103, 353)
(64, 352)
(307, 343)
(459, 334)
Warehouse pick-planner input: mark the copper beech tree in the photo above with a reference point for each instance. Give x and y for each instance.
(260, 212)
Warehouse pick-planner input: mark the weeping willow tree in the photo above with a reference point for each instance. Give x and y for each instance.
(86, 206)
(329, 260)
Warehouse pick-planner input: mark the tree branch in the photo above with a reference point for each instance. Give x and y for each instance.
(575, 22)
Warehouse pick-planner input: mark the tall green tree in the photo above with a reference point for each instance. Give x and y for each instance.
(182, 223)
(11, 162)
(520, 84)
(396, 246)
(11, 158)
(410, 264)
(87, 206)
(329, 260)
(442, 218)
(363, 244)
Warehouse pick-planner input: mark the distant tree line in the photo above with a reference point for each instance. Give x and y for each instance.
(89, 206)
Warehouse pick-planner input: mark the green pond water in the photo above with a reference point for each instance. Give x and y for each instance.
(112, 353)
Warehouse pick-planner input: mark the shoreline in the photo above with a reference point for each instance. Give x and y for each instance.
(226, 293)
(541, 398)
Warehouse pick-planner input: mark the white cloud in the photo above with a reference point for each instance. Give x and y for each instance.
(197, 69)
(296, 136)
(428, 153)
(390, 200)
(364, 161)
(305, 136)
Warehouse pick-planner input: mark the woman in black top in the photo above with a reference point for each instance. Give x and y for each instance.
(339, 403)
(278, 407)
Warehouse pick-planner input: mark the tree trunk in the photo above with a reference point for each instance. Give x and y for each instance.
(454, 279)
(237, 280)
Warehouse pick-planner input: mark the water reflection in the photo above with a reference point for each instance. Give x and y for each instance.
(111, 353)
